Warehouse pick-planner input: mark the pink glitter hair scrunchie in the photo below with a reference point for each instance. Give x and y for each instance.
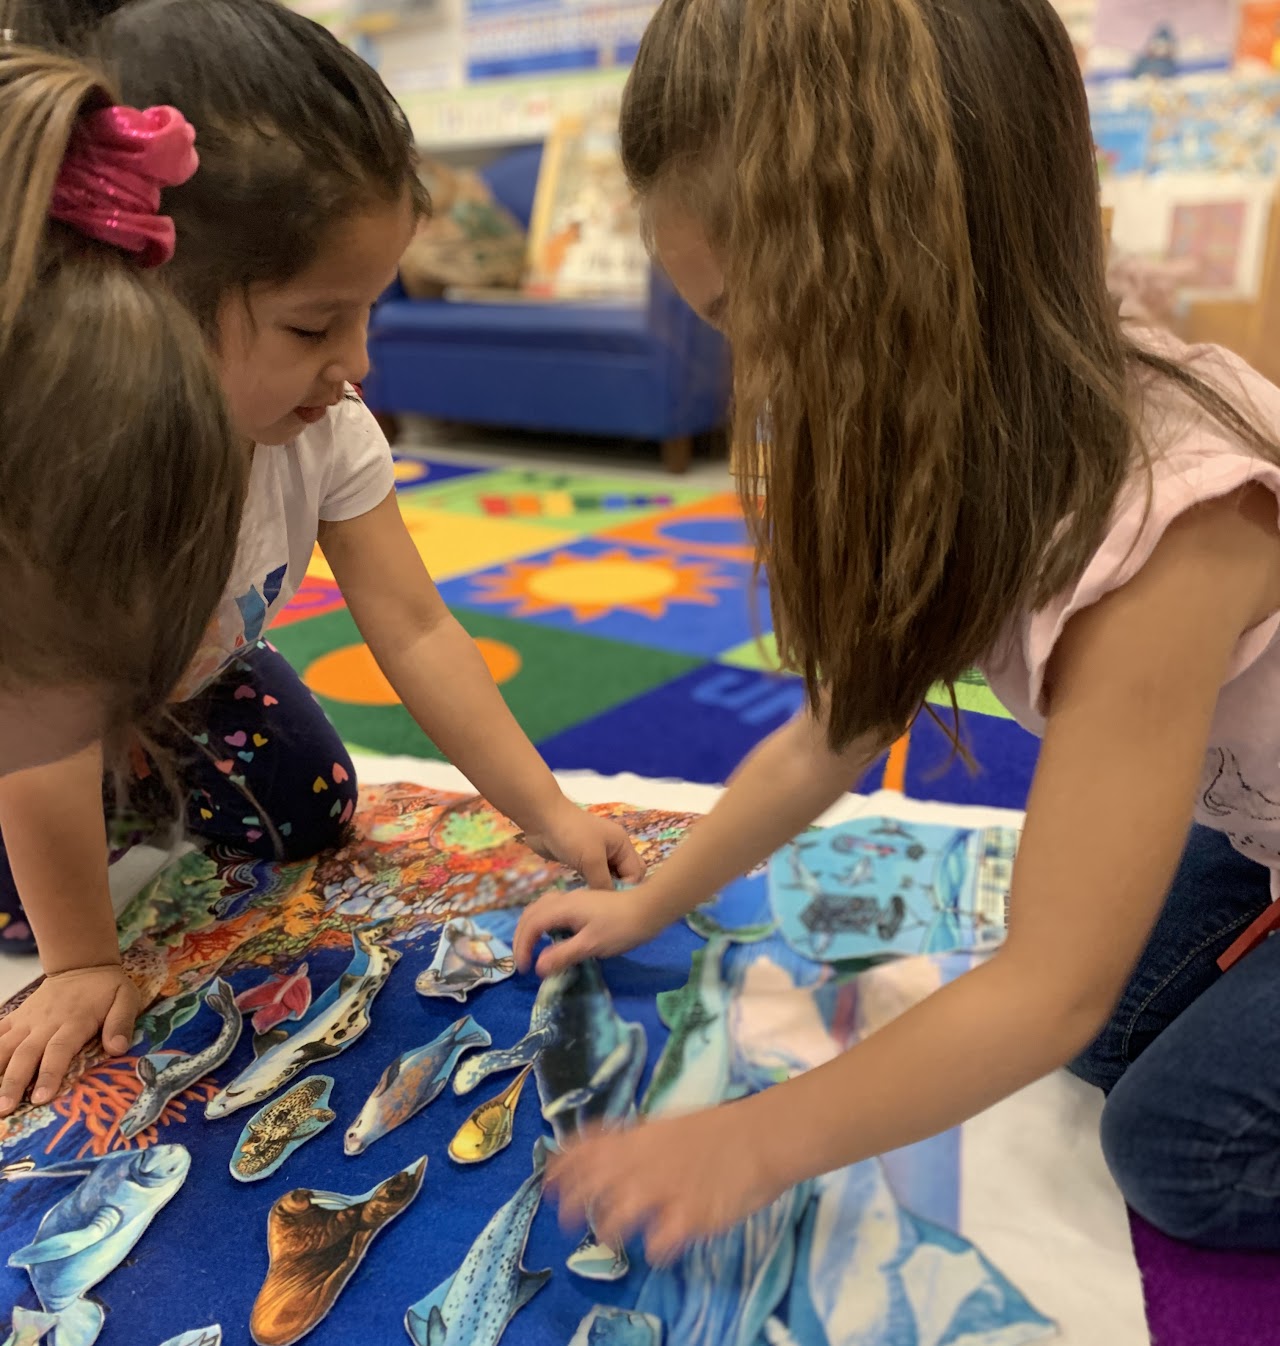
(117, 163)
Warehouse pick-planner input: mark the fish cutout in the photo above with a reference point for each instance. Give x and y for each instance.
(315, 1242)
(164, 1018)
(410, 1082)
(693, 1070)
(165, 1077)
(200, 1336)
(91, 1230)
(587, 1063)
(284, 996)
(29, 1327)
(489, 1129)
(607, 1326)
(272, 1134)
(474, 1306)
(466, 957)
(334, 1022)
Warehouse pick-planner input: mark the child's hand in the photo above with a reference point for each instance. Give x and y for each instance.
(39, 1040)
(680, 1180)
(598, 848)
(601, 924)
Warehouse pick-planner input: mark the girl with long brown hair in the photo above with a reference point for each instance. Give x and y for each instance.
(121, 483)
(952, 452)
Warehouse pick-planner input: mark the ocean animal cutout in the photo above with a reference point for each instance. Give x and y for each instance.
(164, 1018)
(694, 1068)
(876, 888)
(474, 1306)
(272, 1134)
(315, 1242)
(29, 1327)
(281, 997)
(868, 1269)
(466, 957)
(410, 1082)
(91, 1230)
(587, 1063)
(166, 1076)
(722, 1291)
(340, 1020)
(489, 1129)
(200, 1336)
(609, 1326)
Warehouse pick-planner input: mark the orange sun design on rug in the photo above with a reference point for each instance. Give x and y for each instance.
(594, 586)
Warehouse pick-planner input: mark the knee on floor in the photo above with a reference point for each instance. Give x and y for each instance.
(1172, 1170)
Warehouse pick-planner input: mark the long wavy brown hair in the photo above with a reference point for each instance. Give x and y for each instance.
(934, 400)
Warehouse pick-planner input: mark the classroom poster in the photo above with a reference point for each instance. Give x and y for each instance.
(1161, 38)
(507, 38)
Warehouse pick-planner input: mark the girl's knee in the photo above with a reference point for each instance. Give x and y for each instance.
(1176, 1163)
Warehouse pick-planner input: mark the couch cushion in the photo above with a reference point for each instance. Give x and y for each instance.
(567, 326)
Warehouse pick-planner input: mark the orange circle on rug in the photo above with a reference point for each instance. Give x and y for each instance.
(605, 580)
(351, 674)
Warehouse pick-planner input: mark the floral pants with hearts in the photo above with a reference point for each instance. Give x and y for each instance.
(260, 769)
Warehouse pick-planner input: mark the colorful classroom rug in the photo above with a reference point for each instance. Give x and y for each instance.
(620, 618)
(248, 1173)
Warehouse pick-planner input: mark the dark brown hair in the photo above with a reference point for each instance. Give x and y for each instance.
(934, 398)
(121, 484)
(297, 134)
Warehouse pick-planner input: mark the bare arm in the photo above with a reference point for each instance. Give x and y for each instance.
(439, 674)
(782, 786)
(1134, 683)
(54, 833)
(55, 836)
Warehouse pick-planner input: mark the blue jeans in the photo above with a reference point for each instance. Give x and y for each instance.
(1190, 1062)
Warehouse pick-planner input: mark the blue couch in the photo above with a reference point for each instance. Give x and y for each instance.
(652, 372)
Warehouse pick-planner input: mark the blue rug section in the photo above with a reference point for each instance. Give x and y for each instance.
(411, 473)
(1004, 752)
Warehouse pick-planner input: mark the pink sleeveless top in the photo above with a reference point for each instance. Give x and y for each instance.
(1196, 460)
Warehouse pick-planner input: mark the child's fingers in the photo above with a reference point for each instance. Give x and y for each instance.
(22, 1065)
(58, 1055)
(628, 866)
(669, 1233)
(564, 954)
(595, 869)
(117, 1031)
(543, 916)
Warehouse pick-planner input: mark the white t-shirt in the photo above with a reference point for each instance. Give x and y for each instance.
(337, 469)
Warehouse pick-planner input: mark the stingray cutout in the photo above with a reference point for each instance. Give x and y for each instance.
(90, 1231)
(474, 1306)
(164, 1077)
(466, 956)
(315, 1242)
(277, 1129)
(414, 1079)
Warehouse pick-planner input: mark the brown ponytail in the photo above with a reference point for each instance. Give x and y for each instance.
(121, 484)
(934, 399)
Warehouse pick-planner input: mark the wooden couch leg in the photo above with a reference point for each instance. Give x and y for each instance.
(677, 454)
